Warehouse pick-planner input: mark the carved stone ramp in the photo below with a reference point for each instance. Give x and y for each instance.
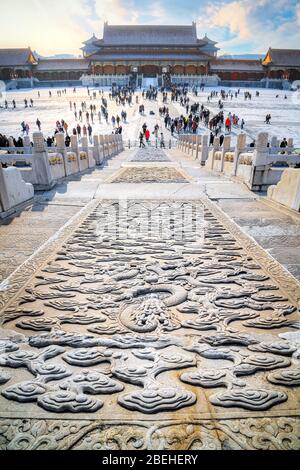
(150, 325)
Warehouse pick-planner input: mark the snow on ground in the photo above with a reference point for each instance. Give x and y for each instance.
(49, 110)
(285, 113)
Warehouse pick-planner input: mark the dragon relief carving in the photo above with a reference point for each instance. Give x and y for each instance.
(118, 317)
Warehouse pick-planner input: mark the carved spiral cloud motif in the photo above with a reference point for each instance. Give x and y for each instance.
(205, 378)
(290, 377)
(86, 357)
(4, 377)
(95, 382)
(49, 371)
(18, 358)
(253, 364)
(25, 391)
(64, 401)
(257, 400)
(157, 399)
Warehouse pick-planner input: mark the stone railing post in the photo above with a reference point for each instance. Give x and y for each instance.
(216, 148)
(61, 148)
(4, 199)
(75, 148)
(27, 145)
(42, 177)
(101, 148)
(204, 149)
(179, 142)
(185, 143)
(11, 144)
(259, 169)
(261, 151)
(189, 145)
(115, 144)
(193, 144)
(121, 142)
(85, 148)
(96, 149)
(290, 145)
(107, 145)
(274, 145)
(239, 148)
(226, 148)
(85, 144)
(197, 146)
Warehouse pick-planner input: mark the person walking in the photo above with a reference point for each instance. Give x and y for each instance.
(147, 136)
(141, 137)
(228, 125)
(38, 123)
(90, 131)
(268, 119)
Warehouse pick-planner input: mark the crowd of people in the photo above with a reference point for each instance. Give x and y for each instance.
(145, 134)
(194, 115)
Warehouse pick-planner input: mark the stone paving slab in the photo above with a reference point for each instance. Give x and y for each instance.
(149, 191)
(276, 231)
(150, 155)
(150, 174)
(21, 236)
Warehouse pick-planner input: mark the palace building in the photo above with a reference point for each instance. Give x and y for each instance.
(152, 51)
(17, 63)
(282, 63)
(143, 55)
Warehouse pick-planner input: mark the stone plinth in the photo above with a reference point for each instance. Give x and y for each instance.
(287, 191)
(13, 190)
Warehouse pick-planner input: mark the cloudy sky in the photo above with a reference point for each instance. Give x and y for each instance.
(240, 26)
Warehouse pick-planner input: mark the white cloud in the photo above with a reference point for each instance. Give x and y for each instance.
(234, 15)
(252, 24)
(55, 27)
(298, 13)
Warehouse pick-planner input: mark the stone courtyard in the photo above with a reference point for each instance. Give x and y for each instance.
(150, 304)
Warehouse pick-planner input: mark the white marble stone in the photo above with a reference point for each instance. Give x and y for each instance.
(287, 191)
(13, 190)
